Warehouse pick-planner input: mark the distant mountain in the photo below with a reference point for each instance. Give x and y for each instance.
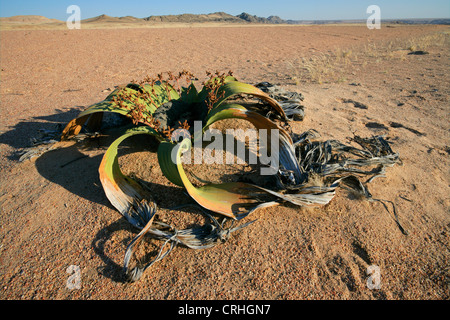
(30, 19)
(254, 19)
(108, 19)
(220, 17)
(191, 18)
(101, 18)
(243, 18)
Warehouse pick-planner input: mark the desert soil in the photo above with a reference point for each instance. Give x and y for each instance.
(54, 212)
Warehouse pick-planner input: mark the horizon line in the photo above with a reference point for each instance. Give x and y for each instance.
(309, 19)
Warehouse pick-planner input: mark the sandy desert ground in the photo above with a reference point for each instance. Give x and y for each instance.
(54, 212)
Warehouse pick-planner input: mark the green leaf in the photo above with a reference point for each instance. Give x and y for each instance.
(225, 111)
(233, 88)
(234, 199)
(286, 151)
(168, 167)
(189, 94)
(205, 90)
(156, 95)
(124, 193)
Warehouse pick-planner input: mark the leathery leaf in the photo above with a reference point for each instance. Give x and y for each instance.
(168, 167)
(150, 97)
(234, 88)
(286, 151)
(233, 199)
(124, 193)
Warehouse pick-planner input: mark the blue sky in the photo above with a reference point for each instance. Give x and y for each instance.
(286, 9)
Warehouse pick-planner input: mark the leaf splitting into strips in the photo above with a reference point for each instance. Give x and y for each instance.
(308, 196)
(286, 150)
(132, 201)
(197, 237)
(122, 191)
(203, 237)
(235, 200)
(129, 198)
(135, 273)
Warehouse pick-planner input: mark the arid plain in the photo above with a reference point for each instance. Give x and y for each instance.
(392, 81)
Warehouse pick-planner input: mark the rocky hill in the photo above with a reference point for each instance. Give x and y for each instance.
(255, 19)
(190, 18)
(29, 19)
(108, 19)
